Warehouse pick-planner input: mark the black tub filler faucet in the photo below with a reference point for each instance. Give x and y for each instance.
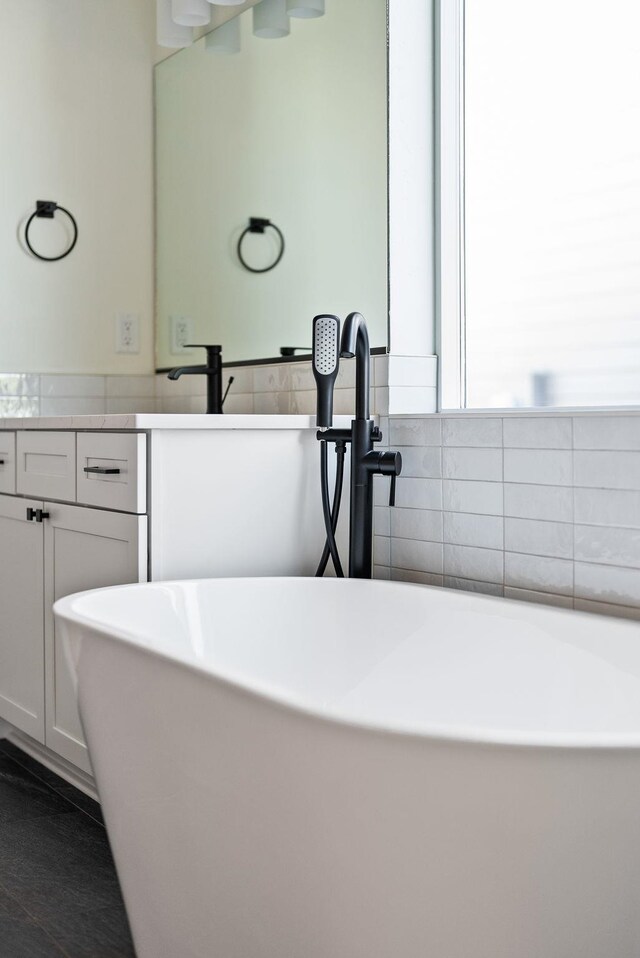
(365, 461)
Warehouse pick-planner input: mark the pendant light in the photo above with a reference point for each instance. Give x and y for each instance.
(191, 13)
(169, 33)
(224, 39)
(270, 20)
(305, 9)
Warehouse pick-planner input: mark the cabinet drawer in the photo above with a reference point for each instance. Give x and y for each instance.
(112, 470)
(46, 464)
(8, 462)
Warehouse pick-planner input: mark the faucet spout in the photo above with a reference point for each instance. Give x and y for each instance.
(186, 371)
(355, 342)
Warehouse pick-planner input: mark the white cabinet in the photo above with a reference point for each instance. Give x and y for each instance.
(7, 462)
(63, 549)
(21, 617)
(83, 549)
(46, 465)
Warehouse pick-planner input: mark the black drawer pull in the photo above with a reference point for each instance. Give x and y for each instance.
(38, 514)
(102, 471)
(31, 514)
(2, 462)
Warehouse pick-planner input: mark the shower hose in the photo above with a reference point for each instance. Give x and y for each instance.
(331, 512)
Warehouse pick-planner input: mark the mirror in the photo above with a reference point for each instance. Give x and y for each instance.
(293, 131)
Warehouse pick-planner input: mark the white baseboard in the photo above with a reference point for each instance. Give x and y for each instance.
(71, 774)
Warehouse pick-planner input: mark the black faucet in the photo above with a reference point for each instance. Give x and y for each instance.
(212, 370)
(365, 462)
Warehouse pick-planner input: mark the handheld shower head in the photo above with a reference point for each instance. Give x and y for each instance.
(326, 358)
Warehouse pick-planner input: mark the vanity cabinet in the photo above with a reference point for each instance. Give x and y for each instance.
(168, 497)
(72, 549)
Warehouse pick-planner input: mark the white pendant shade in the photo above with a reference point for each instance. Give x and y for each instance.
(270, 20)
(169, 33)
(191, 13)
(224, 39)
(305, 9)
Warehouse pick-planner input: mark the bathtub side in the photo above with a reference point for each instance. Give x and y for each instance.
(244, 829)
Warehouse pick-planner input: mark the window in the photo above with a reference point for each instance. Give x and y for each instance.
(540, 250)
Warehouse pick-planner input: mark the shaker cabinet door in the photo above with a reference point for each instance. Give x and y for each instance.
(21, 620)
(84, 549)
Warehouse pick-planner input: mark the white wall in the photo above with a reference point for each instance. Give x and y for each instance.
(76, 122)
(294, 130)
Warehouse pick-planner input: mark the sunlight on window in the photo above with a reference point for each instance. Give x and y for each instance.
(552, 202)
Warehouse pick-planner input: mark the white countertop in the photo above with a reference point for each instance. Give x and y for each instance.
(167, 421)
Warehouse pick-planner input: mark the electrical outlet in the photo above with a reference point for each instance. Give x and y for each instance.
(127, 333)
(181, 333)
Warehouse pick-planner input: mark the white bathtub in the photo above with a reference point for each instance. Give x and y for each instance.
(300, 768)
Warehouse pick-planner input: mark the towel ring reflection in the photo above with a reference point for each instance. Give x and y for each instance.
(45, 209)
(258, 225)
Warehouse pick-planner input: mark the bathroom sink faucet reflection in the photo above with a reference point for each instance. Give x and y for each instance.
(212, 370)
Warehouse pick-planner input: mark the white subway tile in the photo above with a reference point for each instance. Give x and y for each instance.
(142, 386)
(607, 470)
(239, 404)
(414, 493)
(472, 432)
(382, 520)
(412, 371)
(346, 378)
(381, 550)
(19, 406)
(417, 555)
(420, 578)
(538, 502)
(271, 378)
(611, 546)
(301, 376)
(423, 524)
(19, 384)
(472, 585)
(536, 537)
(607, 507)
(72, 386)
(381, 572)
(537, 432)
(304, 403)
(416, 400)
(344, 402)
(73, 406)
(464, 529)
(607, 583)
(466, 562)
(380, 401)
(272, 403)
(380, 370)
(548, 467)
(415, 432)
(538, 573)
(540, 598)
(469, 496)
(607, 432)
(462, 463)
(121, 404)
(605, 608)
(421, 461)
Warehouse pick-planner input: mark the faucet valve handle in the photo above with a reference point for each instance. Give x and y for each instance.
(376, 434)
(392, 490)
(390, 464)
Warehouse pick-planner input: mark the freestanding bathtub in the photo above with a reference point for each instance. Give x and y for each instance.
(303, 768)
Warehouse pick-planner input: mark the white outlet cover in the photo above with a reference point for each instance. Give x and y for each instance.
(181, 328)
(127, 333)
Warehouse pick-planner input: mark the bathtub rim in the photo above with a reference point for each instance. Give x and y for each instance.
(65, 610)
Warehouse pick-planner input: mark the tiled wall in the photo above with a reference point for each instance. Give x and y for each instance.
(544, 508)
(44, 395)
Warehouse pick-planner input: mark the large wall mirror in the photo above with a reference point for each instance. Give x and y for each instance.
(291, 130)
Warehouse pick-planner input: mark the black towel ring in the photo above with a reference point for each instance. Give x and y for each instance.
(45, 210)
(258, 225)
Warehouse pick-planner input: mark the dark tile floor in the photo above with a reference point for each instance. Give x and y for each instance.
(59, 894)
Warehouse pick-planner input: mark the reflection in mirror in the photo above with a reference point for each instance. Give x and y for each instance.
(293, 131)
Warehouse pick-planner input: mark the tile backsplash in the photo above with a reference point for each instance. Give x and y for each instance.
(538, 506)
(535, 506)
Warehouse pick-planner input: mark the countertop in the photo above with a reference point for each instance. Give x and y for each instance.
(166, 421)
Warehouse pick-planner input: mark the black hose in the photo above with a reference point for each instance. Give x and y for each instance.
(331, 515)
